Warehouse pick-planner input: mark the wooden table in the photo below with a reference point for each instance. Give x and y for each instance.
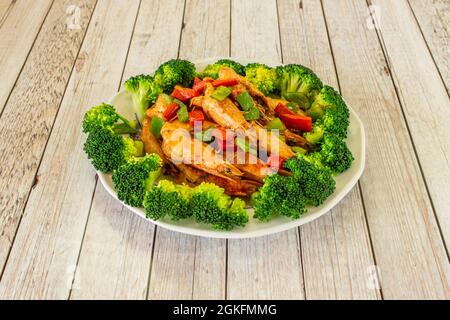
(63, 237)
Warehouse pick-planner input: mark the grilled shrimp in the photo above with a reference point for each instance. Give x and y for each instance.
(234, 187)
(272, 143)
(179, 147)
(225, 112)
(158, 108)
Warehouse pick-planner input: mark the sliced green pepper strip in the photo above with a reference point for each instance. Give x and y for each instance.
(299, 150)
(182, 113)
(245, 101)
(221, 93)
(277, 124)
(251, 114)
(155, 126)
(167, 98)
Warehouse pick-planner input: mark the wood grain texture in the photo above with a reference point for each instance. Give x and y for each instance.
(5, 9)
(338, 243)
(266, 267)
(433, 18)
(205, 34)
(117, 249)
(47, 245)
(35, 101)
(17, 33)
(408, 249)
(425, 101)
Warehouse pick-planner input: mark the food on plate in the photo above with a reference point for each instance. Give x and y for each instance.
(208, 144)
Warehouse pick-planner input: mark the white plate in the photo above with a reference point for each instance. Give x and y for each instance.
(255, 228)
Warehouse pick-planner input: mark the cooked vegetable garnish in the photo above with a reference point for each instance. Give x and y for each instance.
(168, 199)
(221, 93)
(135, 177)
(263, 77)
(173, 72)
(105, 116)
(331, 112)
(211, 205)
(315, 180)
(183, 114)
(276, 124)
(108, 150)
(272, 135)
(144, 90)
(212, 70)
(298, 83)
(155, 126)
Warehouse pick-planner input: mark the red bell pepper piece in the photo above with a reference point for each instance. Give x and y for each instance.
(197, 80)
(293, 121)
(171, 111)
(200, 86)
(225, 82)
(275, 161)
(281, 108)
(183, 94)
(196, 115)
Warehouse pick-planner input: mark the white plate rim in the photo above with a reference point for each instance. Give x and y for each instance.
(241, 233)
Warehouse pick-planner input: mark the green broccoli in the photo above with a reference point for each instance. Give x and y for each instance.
(298, 84)
(211, 205)
(168, 198)
(135, 177)
(315, 136)
(280, 195)
(105, 115)
(331, 112)
(173, 72)
(144, 90)
(316, 181)
(263, 77)
(212, 70)
(108, 150)
(335, 154)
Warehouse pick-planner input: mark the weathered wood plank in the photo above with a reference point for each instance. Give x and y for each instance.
(267, 267)
(5, 8)
(206, 33)
(48, 242)
(407, 245)
(17, 33)
(35, 101)
(115, 257)
(115, 236)
(425, 101)
(433, 18)
(338, 243)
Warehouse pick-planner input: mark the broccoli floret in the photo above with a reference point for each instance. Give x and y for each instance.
(144, 90)
(212, 70)
(315, 136)
(135, 177)
(335, 154)
(211, 205)
(173, 72)
(299, 84)
(108, 150)
(280, 195)
(331, 112)
(263, 77)
(168, 198)
(105, 116)
(316, 180)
